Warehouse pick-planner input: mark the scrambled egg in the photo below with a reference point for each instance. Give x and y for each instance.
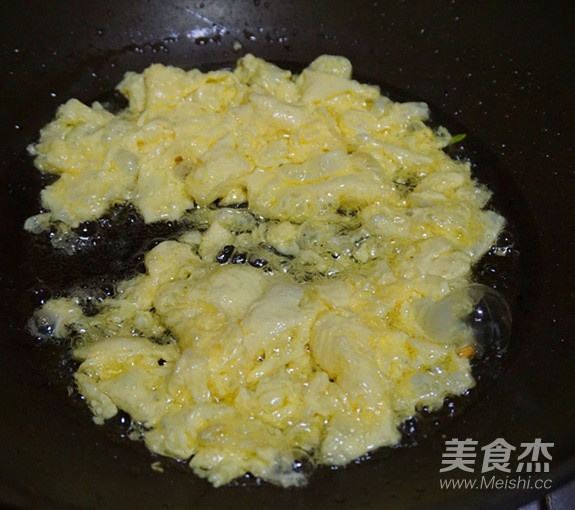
(284, 326)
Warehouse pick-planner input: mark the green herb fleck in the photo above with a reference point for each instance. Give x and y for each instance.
(457, 138)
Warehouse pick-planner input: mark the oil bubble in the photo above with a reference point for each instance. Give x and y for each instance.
(294, 466)
(41, 327)
(490, 318)
(304, 463)
(475, 309)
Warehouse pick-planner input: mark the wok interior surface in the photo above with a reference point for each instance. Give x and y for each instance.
(499, 72)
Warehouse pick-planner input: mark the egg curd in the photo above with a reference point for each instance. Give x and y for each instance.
(282, 329)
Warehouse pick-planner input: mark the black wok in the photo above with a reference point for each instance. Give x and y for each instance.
(499, 71)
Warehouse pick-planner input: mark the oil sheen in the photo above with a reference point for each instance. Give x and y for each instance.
(289, 323)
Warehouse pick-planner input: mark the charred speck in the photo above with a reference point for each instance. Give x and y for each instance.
(345, 212)
(408, 185)
(257, 262)
(275, 251)
(90, 308)
(304, 464)
(216, 204)
(161, 362)
(108, 289)
(239, 258)
(225, 254)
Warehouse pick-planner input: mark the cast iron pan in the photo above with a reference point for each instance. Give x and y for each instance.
(499, 71)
